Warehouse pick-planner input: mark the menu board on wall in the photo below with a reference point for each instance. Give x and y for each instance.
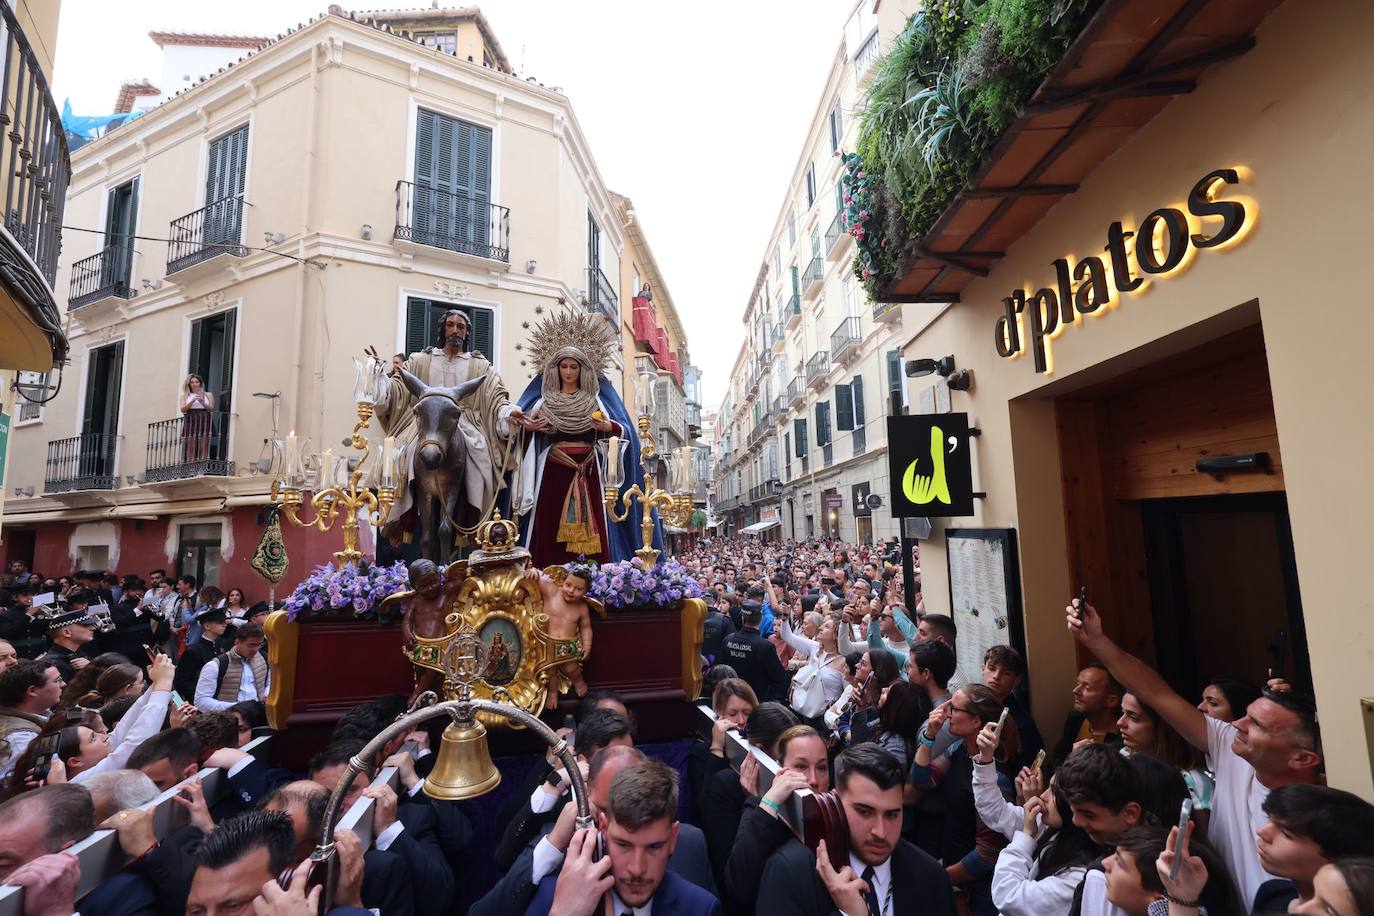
(984, 593)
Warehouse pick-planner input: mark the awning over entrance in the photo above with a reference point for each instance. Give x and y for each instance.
(760, 526)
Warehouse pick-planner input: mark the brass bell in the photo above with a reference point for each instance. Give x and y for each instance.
(464, 768)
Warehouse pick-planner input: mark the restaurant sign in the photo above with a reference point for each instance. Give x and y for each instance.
(929, 465)
(1161, 245)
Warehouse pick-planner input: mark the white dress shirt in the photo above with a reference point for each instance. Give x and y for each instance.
(881, 883)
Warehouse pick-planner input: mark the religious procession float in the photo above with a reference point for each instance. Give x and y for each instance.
(516, 562)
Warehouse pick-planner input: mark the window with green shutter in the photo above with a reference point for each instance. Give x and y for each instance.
(822, 423)
(422, 321)
(453, 181)
(799, 436)
(857, 386)
(844, 407)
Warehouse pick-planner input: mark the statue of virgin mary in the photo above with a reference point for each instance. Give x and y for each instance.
(568, 405)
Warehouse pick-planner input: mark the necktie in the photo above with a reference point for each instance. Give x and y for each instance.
(870, 895)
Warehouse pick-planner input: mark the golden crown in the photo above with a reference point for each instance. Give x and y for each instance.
(498, 535)
(576, 328)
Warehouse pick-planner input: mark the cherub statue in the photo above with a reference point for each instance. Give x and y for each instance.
(424, 610)
(564, 590)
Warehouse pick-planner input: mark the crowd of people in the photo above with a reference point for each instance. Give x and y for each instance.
(949, 796)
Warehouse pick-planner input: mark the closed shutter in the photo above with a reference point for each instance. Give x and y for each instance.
(225, 178)
(417, 325)
(115, 382)
(844, 407)
(858, 387)
(226, 373)
(452, 180)
(799, 433)
(129, 226)
(483, 332)
(195, 360)
(823, 423)
(424, 215)
(796, 283)
(787, 451)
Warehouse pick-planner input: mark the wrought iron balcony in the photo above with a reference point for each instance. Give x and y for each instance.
(779, 336)
(813, 279)
(887, 311)
(601, 295)
(837, 236)
(85, 462)
(33, 183)
(779, 407)
(195, 444)
(206, 233)
(791, 311)
(844, 342)
(817, 367)
(866, 57)
(455, 222)
(796, 389)
(103, 275)
(769, 489)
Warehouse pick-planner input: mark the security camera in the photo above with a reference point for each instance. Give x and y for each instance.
(916, 368)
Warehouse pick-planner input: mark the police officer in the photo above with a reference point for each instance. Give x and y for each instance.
(754, 657)
(72, 631)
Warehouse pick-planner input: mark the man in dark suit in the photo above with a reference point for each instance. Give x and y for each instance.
(208, 646)
(884, 872)
(640, 828)
(513, 893)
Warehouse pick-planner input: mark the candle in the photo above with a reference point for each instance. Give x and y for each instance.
(325, 477)
(292, 468)
(389, 462)
(613, 471)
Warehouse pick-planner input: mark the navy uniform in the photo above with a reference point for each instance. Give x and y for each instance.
(754, 658)
(79, 619)
(200, 652)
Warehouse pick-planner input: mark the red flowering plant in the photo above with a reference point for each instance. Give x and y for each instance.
(876, 260)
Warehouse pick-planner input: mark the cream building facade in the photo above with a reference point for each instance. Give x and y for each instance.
(336, 189)
(803, 442)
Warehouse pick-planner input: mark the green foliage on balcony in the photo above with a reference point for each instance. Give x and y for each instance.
(952, 82)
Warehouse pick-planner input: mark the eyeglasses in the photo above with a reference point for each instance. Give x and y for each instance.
(953, 708)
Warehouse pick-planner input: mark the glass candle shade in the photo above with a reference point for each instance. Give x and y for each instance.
(612, 451)
(369, 377)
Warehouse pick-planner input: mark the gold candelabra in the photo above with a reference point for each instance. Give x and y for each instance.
(674, 504)
(334, 498)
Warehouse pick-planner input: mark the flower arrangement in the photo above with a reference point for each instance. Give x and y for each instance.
(628, 584)
(359, 588)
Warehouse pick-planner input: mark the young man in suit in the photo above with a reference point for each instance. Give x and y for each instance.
(885, 874)
(640, 831)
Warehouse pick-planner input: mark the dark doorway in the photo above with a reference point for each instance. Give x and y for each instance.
(198, 553)
(100, 420)
(1224, 588)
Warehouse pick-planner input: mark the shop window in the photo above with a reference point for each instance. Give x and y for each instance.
(198, 552)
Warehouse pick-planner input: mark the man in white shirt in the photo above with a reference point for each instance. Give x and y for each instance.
(1275, 743)
(236, 676)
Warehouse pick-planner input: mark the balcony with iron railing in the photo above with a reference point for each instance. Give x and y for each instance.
(887, 312)
(601, 295)
(104, 275)
(791, 311)
(472, 226)
(195, 444)
(779, 408)
(866, 57)
(84, 462)
(817, 368)
(796, 389)
(844, 342)
(210, 232)
(779, 336)
(769, 489)
(813, 279)
(837, 237)
(33, 182)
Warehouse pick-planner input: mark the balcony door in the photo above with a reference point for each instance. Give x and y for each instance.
(422, 324)
(100, 419)
(121, 215)
(452, 183)
(225, 177)
(212, 358)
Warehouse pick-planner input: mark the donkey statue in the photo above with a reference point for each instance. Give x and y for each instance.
(439, 463)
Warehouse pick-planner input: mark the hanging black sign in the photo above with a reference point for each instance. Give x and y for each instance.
(929, 465)
(859, 499)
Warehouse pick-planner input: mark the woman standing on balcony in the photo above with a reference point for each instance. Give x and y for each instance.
(196, 406)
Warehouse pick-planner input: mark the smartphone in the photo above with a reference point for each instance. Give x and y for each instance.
(152, 653)
(177, 701)
(1185, 813)
(1039, 760)
(1082, 603)
(45, 748)
(1002, 720)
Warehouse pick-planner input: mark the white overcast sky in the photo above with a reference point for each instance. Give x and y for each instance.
(696, 111)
